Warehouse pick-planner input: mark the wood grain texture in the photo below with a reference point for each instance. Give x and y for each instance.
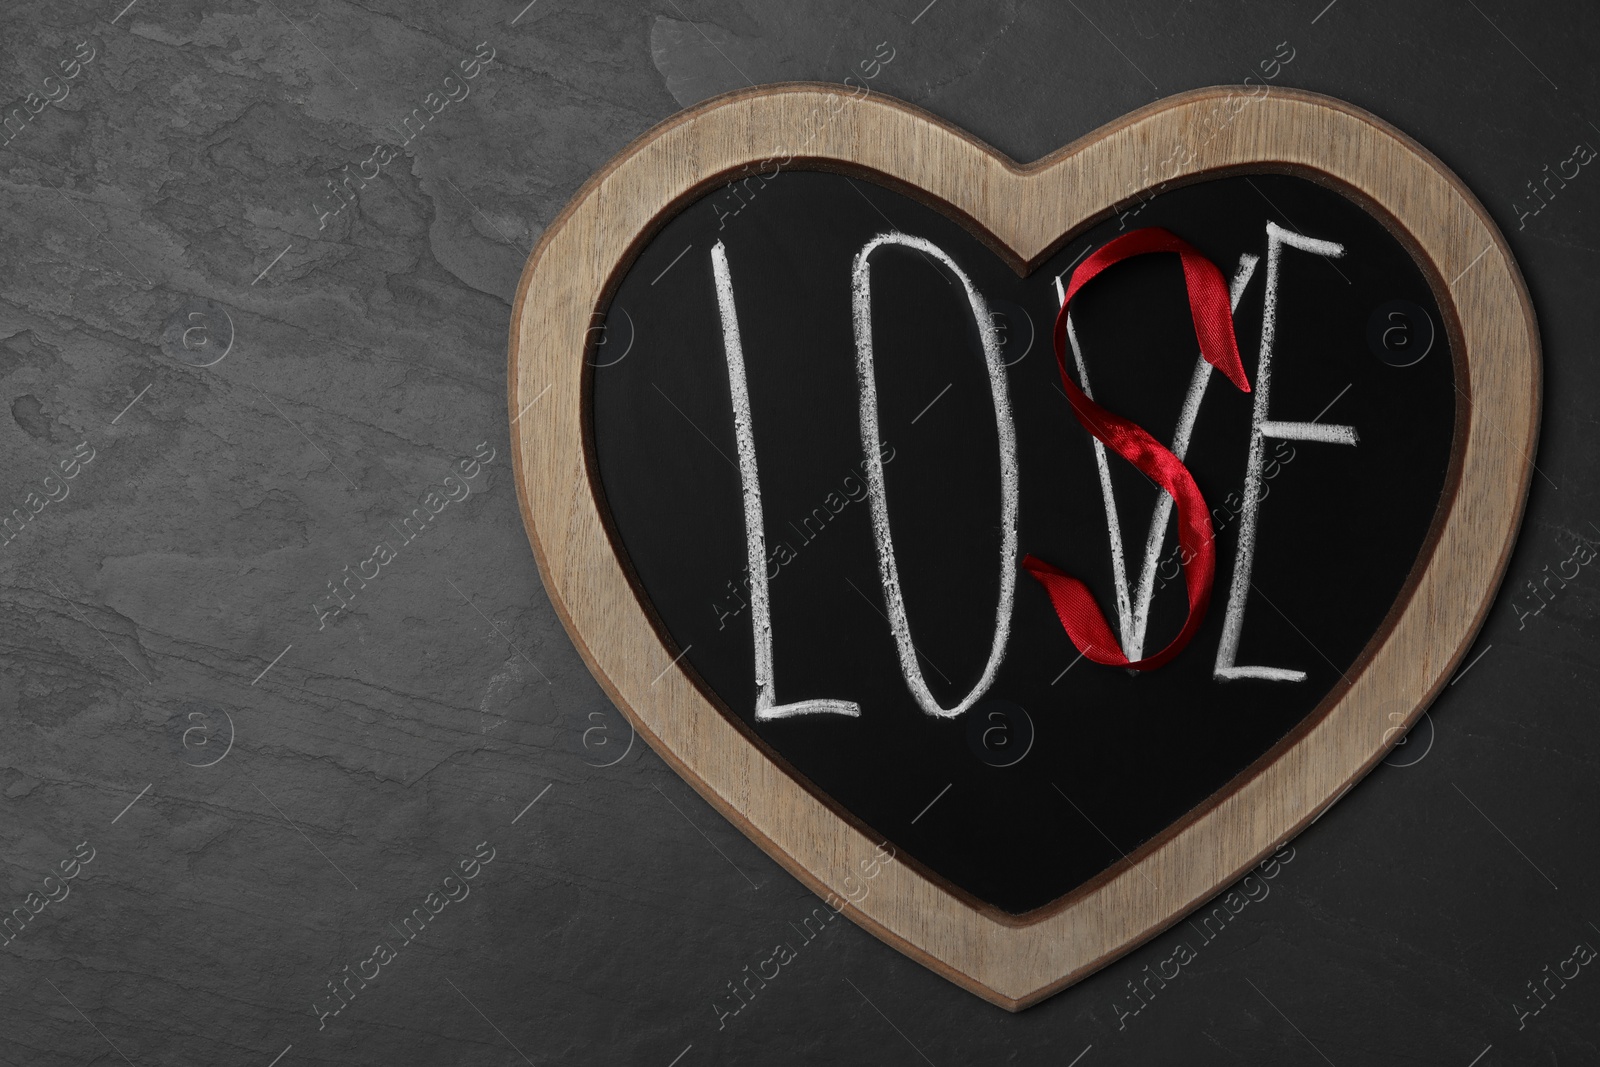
(1025, 212)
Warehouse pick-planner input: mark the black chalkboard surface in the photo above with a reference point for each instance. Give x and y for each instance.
(1063, 766)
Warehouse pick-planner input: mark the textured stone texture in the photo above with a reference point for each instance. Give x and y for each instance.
(367, 358)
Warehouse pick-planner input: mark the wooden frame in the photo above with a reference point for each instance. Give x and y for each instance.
(1025, 213)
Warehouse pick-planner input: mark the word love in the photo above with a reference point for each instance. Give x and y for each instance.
(1212, 303)
(455, 890)
(34, 902)
(455, 90)
(33, 103)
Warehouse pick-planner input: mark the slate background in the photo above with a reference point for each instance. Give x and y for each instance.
(368, 357)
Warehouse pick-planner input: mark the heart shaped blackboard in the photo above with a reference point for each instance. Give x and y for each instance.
(805, 420)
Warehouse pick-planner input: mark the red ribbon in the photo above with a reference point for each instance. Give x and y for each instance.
(1213, 326)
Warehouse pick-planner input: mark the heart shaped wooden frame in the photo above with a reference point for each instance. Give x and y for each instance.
(1025, 213)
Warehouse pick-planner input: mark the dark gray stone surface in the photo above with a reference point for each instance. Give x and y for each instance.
(296, 790)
